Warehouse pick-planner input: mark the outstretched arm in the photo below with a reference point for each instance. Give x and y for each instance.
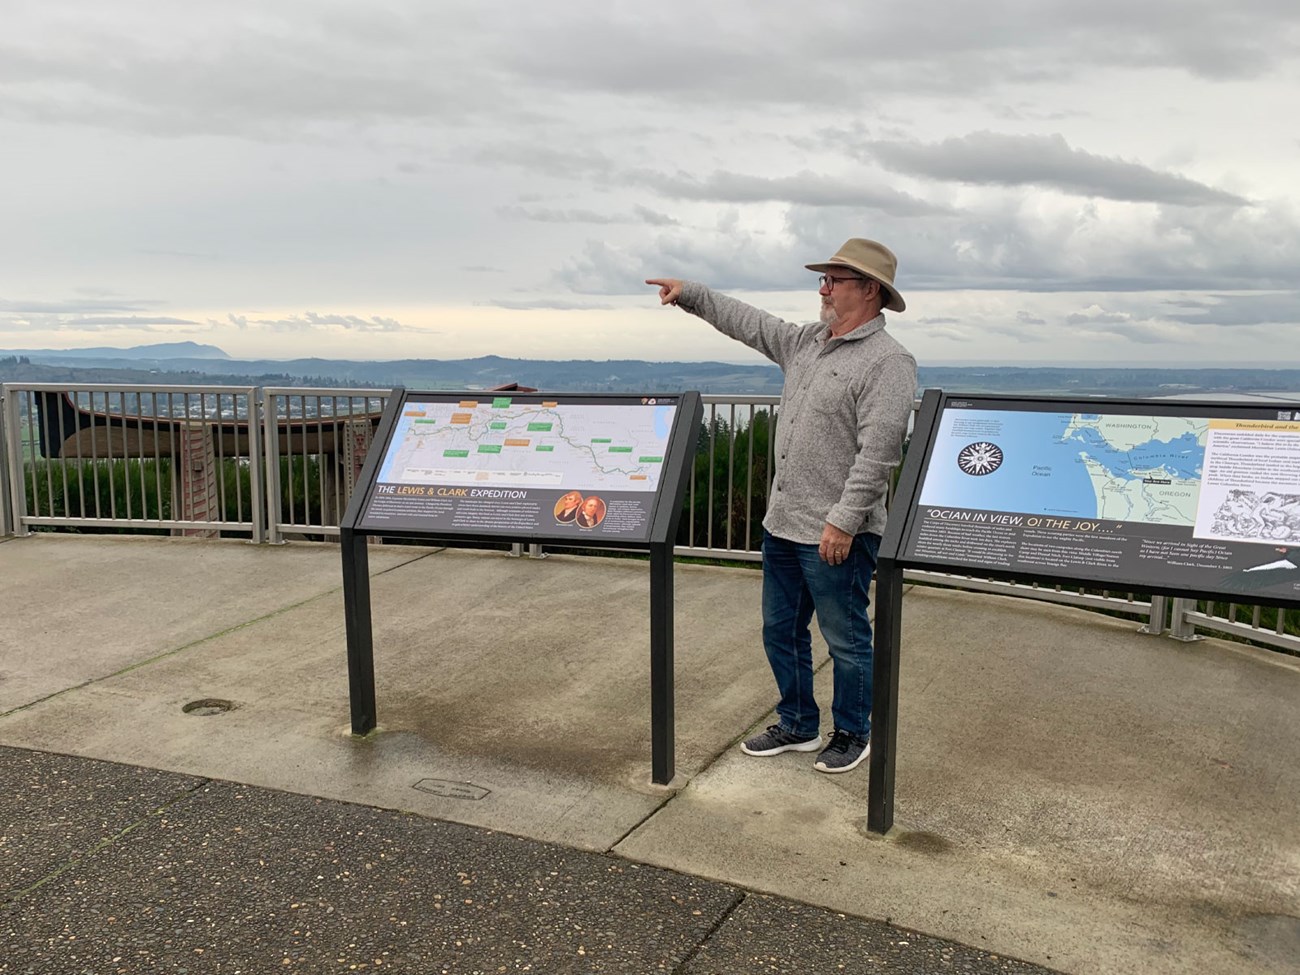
(745, 323)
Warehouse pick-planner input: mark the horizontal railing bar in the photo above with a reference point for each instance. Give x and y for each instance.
(124, 388)
(1205, 621)
(303, 529)
(378, 392)
(1033, 592)
(71, 522)
(731, 554)
(709, 398)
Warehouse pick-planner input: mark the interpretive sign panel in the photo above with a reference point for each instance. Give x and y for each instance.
(580, 469)
(586, 471)
(1153, 495)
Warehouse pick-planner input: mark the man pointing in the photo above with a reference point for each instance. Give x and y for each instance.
(849, 389)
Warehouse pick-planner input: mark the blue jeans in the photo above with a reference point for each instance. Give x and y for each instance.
(795, 583)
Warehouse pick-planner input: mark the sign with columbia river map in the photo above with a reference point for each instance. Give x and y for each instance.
(1150, 495)
(576, 468)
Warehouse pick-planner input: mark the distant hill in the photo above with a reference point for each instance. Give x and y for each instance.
(157, 351)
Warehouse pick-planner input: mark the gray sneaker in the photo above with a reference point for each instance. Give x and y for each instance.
(776, 740)
(844, 753)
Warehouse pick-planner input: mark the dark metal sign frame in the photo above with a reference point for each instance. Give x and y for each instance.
(899, 546)
(656, 535)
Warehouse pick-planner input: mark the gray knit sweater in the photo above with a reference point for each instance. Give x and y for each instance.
(844, 414)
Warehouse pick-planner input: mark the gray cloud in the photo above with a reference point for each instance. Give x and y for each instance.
(1142, 331)
(1002, 246)
(779, 54)
(546, 215)
(129, 320)
(639, 215)
(1274, 308)
(654, 218)
(553, 304)
(72, 306)
(309, 321)
(1098, 317)
(269, 72)
(808, 189)
(546, 160)
(254, 72)
(1014, 245)
(993, 159)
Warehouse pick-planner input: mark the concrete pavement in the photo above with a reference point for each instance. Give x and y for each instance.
(1070, 792)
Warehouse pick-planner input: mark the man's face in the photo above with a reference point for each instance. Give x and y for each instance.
(844, 296)
(591, 507)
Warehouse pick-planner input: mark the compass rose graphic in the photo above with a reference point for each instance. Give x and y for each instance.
(978, 459)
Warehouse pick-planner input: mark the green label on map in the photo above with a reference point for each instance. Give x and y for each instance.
(620, 450)
(649, 460)
(489, 448)
(545, 448)
(455, 453)
(498, 425)
(540, 427)
(601, 440)
(426, 421)
(500, 402)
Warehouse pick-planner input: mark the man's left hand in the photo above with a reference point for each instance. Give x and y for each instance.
(835, 545)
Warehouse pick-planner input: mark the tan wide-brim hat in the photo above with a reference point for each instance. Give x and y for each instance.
(874, 260)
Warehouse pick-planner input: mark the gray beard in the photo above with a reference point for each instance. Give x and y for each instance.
(828, 316)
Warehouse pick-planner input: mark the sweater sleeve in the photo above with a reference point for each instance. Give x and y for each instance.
(773, 337)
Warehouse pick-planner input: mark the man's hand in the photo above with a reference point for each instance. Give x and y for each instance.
(835, 544)
(670, 289)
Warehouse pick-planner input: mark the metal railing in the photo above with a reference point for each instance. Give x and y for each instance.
(721, 523)
(6, 503)
(266, 463)
(138, 458)
(316, 442)
(1186, 619)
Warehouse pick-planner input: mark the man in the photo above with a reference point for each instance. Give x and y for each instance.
(849, 389)
(591, 513)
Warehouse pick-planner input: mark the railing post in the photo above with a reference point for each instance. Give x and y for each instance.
(17, 484)
(1180, 627)
(6, 512)
(1155, 624)
(256, 466)
(271, 438)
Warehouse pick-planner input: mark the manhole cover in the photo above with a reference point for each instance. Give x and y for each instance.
(208, 705)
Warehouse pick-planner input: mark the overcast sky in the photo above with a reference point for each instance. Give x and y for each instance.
(1063, 181)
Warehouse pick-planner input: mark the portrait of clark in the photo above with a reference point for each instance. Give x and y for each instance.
(592, 512)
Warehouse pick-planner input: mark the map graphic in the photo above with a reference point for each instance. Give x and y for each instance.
(499, 443)
(1069, 465)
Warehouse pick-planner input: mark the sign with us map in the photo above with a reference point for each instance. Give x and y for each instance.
(1143, 494)
(576, 468)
